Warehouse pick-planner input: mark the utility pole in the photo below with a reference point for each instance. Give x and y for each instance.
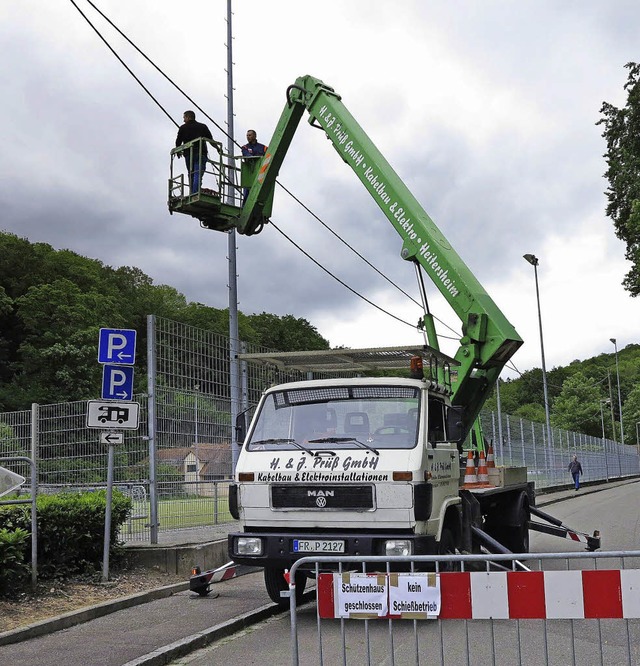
(615, 344)
(613, 420)
(533, 260)
(234, 383)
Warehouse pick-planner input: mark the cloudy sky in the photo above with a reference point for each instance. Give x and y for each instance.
(486, 110)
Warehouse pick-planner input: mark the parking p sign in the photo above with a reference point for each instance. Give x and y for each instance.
(117, 345)
(117, 382)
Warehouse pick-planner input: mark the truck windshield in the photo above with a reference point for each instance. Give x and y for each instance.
(338, 417)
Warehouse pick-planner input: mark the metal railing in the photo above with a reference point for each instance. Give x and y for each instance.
(568, 608)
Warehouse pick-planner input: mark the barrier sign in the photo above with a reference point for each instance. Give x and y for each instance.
(121, 415)
(361, 595)
(9, 481)
(399, 596)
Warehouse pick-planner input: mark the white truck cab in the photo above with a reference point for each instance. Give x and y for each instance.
(357, 466)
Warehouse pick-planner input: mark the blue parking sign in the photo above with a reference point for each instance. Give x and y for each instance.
(117, 345)
(117, 382)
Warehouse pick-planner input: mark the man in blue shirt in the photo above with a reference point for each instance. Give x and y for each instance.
(252, 149)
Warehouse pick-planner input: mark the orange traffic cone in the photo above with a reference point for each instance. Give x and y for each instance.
(491, 462)
(483, 472)
(470, 478)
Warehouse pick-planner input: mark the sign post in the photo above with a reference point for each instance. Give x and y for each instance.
(107, 516)
(117, 352)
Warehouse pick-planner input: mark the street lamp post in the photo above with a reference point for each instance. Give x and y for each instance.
(604, 440)
(533, 260)
(615, 344)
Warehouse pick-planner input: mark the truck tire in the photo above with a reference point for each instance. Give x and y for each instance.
(275, 583)
(447, 546)
(516, 537)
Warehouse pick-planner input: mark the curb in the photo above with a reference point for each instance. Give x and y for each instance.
(90, 613)
(185, 646)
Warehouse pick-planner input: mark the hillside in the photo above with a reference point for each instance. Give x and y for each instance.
(581, 395)
(54, 302)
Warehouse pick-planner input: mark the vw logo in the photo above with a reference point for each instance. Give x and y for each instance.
(321, 502)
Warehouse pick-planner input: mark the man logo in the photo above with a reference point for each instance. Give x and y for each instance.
(321, 496)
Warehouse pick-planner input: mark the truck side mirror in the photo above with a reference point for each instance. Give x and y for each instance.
(241, 427)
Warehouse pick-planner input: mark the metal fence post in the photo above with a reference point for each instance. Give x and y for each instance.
(151, 425)
(35, 416)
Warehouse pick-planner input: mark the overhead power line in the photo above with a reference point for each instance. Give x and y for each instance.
(223, 131)
(337, 279)
(121, 61)
(366, 261)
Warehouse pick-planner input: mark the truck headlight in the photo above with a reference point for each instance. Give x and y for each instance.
(248, 546)
(398, 547)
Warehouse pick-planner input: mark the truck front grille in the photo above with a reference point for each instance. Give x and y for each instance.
(322, 497)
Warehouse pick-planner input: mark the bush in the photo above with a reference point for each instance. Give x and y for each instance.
(14, 571)
(70, 532)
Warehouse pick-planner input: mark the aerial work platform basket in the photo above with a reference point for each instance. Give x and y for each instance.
(215, 194)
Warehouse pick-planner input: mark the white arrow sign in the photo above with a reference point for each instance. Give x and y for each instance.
(111, 438)
(9, 481)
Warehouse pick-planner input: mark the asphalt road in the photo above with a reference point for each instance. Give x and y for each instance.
(240, 620)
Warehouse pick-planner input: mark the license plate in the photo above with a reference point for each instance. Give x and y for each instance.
(318, 546)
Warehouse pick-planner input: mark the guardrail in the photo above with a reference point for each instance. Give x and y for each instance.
(566, 608)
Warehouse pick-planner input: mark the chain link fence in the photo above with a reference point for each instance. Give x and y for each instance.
(177, 465)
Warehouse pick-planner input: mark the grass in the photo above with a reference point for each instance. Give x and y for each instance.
(179, 513)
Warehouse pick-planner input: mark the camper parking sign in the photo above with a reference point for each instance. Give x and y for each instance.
(113, 415)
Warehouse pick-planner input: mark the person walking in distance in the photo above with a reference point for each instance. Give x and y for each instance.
(576, 470)
(195, 157)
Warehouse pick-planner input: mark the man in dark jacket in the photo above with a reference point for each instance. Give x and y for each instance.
(196, 157)
(576, 470)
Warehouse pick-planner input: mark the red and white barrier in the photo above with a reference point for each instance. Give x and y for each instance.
(523, 594)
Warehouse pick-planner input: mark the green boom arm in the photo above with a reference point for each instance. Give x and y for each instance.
(488, 339)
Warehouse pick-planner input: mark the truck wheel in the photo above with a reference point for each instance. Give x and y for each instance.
(275, 583)
(447, 546)
(516, 538)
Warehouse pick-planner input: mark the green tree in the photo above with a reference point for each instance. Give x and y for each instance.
(622, 132)
(578, 406)
(532, 412)
(286, 333)
(58, 350)
(631, 414)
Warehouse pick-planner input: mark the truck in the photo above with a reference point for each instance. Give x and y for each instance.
(375, 464)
